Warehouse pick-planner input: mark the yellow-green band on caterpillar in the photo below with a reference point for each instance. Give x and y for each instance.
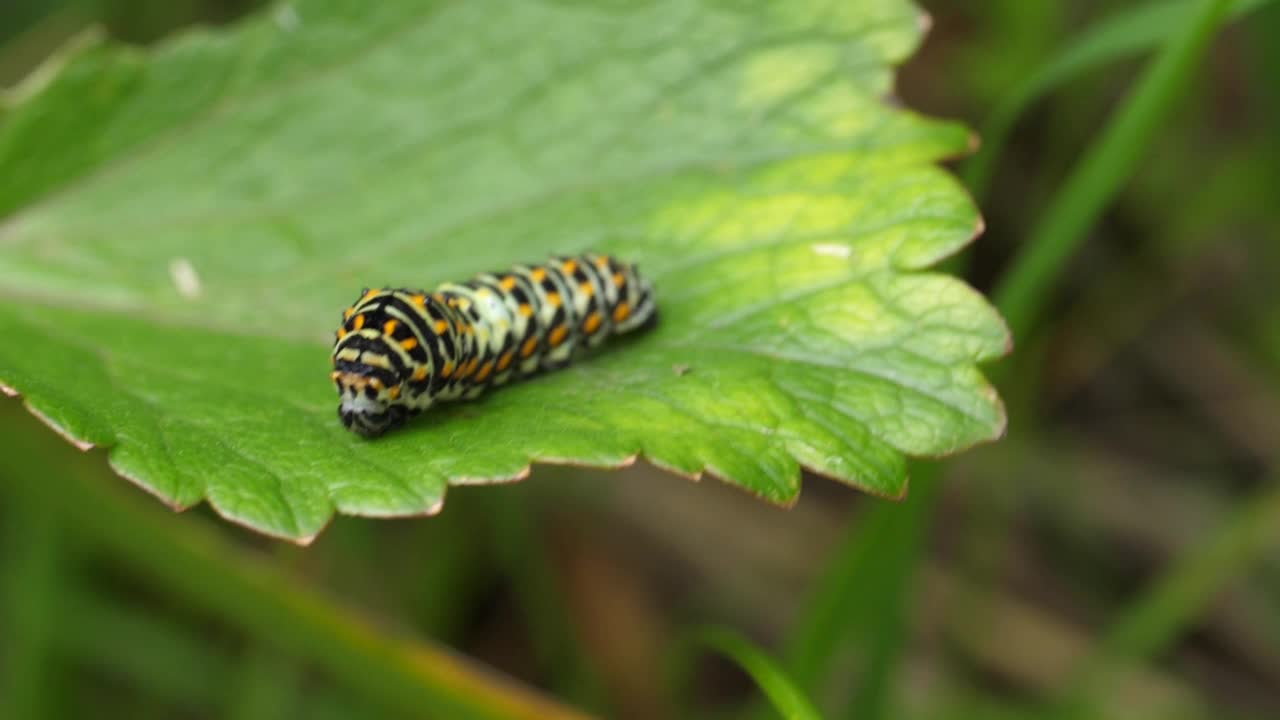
(398, 350)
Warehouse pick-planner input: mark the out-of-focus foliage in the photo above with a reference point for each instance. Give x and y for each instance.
(1116, 554)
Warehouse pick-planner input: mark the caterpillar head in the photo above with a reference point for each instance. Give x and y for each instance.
(368, 407)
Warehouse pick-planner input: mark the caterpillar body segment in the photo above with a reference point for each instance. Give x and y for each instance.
(399, 351)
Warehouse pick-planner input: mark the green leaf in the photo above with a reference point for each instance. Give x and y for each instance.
(179, 230)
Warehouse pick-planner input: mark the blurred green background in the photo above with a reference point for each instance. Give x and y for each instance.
(1117, 555)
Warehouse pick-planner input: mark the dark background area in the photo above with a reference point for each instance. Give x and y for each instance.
(1145, 412)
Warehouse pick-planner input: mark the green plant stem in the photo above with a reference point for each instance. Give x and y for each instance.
(167, 661)
(204, 569)
(837, 603)
(522, 552)
(888, 621)
(32, 589)
(1130, 31)
(1106, 166)
(266, 687)
(864, 595)
(143, 651)
(1156, 619)
(781, 690)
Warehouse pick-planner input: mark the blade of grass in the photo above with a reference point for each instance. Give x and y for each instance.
(147, 653)
(195, 563)
(32, 588)
(837, 605)
(444, 586)
(142, 651)
(896, 565)
(522, 552)
(266, 687)
(1106, 166)
(863, 597)
(1128, 32)
(786, 697)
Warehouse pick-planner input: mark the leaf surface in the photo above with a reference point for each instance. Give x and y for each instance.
(181, 228)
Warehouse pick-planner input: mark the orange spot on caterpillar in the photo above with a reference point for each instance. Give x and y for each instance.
(359, 322)
(469, 368)
(370, 295)
(602, 262)
(409, 343)
(442, 326)
(346, 314)
(526, 309)
(622, 312)
(394, 393)
(619, 279)
(376, 384)
(342, 333)
(554, 299)
(484, 371)
(508, 283)
(529, 346)
(558, 335)
(419, 300)
(505, 361)
(389, 327)
(420, 373)
(587, 288)
(447, 370)
(538, 274)
(592, 323)
(570, 265)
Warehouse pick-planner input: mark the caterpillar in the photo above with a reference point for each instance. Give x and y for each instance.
(399, 351)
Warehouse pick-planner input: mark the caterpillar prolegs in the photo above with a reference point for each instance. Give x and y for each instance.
(399, 350)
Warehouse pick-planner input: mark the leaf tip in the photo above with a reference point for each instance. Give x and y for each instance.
(299, 540)
(8, 391)
(979, 229)
(171, 503)
(691, 476)
(496, 480)
(298, 537)
(1002, 424)
(902, 493)
(82, 445)
(428, 506)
